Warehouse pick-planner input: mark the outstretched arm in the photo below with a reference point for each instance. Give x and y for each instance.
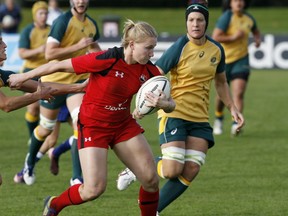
(8, 104)
(59, 89)
(16, 80)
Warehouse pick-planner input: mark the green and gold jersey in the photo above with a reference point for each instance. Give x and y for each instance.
(230, 23)
(33, 37)
(68, 30)
(192, 69)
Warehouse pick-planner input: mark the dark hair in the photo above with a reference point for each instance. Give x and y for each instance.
(226, 4)
(203, 2)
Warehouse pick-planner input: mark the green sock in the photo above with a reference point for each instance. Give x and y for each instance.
(76, 167)
(172, 189)
(33, 150)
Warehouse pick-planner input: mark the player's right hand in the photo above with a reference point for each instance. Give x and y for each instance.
(85, 42)
(16, 80)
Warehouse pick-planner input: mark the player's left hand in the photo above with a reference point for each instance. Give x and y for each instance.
(137, 115)
(238, 117)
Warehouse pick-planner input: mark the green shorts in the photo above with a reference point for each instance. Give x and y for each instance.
(175, 129)
(59, 101)
(238, 69)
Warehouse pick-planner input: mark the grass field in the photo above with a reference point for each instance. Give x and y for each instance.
(243, 176)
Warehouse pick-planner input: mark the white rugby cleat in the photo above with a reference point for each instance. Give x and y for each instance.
(29, 176)
(125, 178)
(218, 127)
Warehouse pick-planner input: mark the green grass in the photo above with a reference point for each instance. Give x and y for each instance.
(270, 20)
(243, 176)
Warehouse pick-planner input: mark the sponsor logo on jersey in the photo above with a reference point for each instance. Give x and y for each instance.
(119, 74)
(143, 79)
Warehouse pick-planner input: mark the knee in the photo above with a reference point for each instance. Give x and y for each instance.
(91, 193)
(41, 132)
(172, 171)
(151, 183)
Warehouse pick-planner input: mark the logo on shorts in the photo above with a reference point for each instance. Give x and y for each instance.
(87, 139)
(173, 132)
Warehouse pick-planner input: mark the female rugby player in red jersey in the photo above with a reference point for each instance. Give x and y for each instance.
(105, 119)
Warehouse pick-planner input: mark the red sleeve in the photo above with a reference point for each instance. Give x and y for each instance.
(89, 63)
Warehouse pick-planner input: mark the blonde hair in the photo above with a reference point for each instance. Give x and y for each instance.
(137, 32)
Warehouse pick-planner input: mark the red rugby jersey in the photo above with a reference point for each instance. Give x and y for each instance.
(111, 86)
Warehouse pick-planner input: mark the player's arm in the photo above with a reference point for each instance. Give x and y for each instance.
(8, 104)
(257, 37)
(54, 51)
(224, 94)
(16, 80)
(30, 53)
(222, 37)
(95, 47)
(59, 89)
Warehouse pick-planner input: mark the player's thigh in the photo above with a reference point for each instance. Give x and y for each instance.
(74, 101)
(34, 108)
(94, 166)
(52, 138)
(73, 104)
(238, 87)
(173, 158)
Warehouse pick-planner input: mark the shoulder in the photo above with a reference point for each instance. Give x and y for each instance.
(63, 18)
(115, 53)
(214, 42)
(249, 16)
(177, 47)
(28, 28)
(91, 19)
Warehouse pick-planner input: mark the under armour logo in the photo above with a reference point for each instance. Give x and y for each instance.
(87, 139)
(117, 74)
(195, 7)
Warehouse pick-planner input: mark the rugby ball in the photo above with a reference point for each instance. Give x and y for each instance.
(152, 85)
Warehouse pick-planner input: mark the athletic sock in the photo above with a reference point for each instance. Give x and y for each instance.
(63, 147)
(219, 115)
(172, 189)
(76, 167)
(39, 156)
(69, 197)
(148, 202)
(36, 142)
(158, 161)
(31, 122)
